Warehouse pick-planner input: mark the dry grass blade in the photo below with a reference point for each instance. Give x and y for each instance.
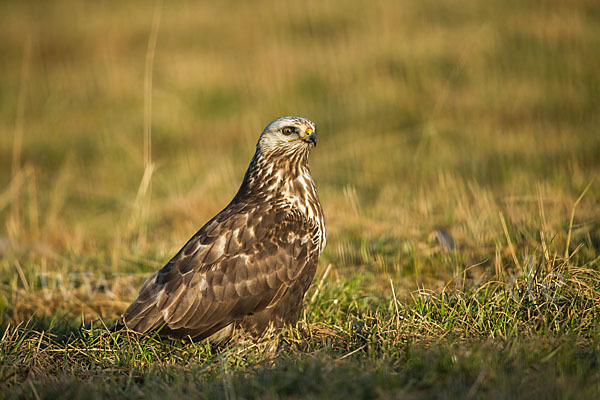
(509, 241)
(573, 217)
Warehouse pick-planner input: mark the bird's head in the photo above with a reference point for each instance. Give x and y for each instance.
(288, 136)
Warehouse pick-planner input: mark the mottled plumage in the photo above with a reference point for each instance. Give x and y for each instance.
(252, 263)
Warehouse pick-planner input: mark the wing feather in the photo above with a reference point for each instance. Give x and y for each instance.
(234, 266)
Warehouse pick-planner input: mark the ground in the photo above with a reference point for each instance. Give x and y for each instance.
(458, 165)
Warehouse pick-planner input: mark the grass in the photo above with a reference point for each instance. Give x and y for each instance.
(458, 167)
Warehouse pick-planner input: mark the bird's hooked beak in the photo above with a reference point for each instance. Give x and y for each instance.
(311, 137)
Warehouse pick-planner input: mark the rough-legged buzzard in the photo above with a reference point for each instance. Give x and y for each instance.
(252, 263)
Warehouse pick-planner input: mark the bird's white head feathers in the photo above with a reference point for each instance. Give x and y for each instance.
(288, 135)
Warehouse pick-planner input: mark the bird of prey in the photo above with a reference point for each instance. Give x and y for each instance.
(250, 265)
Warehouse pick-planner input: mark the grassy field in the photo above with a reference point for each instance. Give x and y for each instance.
(458, 166)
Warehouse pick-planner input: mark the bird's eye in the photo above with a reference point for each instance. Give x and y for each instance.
(288, 130)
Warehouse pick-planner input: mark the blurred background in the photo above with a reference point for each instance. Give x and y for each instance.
(124, 126)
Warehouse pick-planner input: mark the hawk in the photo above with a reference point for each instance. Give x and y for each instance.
(251, 264)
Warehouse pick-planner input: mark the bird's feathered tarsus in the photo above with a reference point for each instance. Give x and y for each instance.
(252, 263)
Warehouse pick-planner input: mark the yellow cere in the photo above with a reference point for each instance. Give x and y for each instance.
(308, 132)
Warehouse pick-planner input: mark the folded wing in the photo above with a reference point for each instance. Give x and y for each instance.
(240, 263)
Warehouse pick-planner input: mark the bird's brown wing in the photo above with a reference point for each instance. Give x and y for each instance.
(238, 264)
